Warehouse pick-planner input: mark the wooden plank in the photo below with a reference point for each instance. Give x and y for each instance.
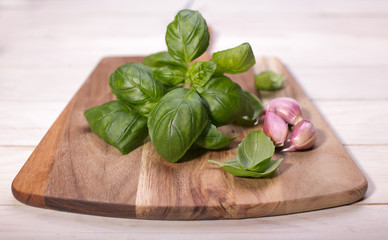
(362, 123)
(363, 8)
(306, 34)
(40, 84)
(371, 161)
(11, 161)
(343, 83)
(84, 174)
(27, 122)
(348, 222)
(79, 52)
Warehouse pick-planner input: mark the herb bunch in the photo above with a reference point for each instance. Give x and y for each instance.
(176, 102)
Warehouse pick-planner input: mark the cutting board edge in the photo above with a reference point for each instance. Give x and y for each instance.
(129, 211)
(35, 196)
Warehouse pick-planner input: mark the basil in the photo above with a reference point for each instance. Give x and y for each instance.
(200, 72)
(269, 81)
(134, 84)
(163, 59)
(255, 150)
(253, 159)
(187, 37)
(257, 110)
(118, 125)
(152, 101)
(232, 166)
(234, 60)
(225, 100)
(212, 138)
(176, 122)
(168, 76)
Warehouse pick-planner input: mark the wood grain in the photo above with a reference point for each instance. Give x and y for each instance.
(81, 173)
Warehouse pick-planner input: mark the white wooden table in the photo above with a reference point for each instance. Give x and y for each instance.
(337, 50)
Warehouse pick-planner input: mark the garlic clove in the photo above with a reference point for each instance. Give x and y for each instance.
(303, 136)
(275, 128)
(287, 108)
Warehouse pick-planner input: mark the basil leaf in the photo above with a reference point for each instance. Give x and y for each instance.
(133, 83)
(255, 150)
(118, 125)
(225, 100)
(176, 122)
(200, 72)
(187, 37)
(169, 76)
(232, 166)
(234, 60)
(211, 138)
(269, 81)
(163, 59)
(257, 110)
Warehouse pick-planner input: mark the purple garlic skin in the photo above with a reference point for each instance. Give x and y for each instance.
(302, 137)
(287, 108)
(275, 128)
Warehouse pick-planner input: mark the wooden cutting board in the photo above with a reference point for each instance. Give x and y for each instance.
(73, 170)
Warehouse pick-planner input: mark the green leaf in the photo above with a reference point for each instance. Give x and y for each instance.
(211, 138)
(234, 60)
(257, 107)
(200, 72)
(269, 81)
(225, 100)
(255, 150)
(163, 59)
(169, 76)
(233, 167)
(176, 122)
(187, 37)
(118, 125)
(133, 83)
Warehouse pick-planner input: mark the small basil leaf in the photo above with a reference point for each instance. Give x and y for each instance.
(169, 76)
(261, 166)
(176, 122)
(225, 100)
(118, 125)
(133, 83)
(269, 81)
(211, 138)
(200, 72)
(163, 59)
(232, 166)
(234, 60)
(187, 37)
(255, 148)
(257, 110)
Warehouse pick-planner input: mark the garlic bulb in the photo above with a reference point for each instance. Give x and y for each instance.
(275, 128)
(286, 108)
(303, 136)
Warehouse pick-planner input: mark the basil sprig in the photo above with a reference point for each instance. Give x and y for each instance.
(253, 159)
(152, 100)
